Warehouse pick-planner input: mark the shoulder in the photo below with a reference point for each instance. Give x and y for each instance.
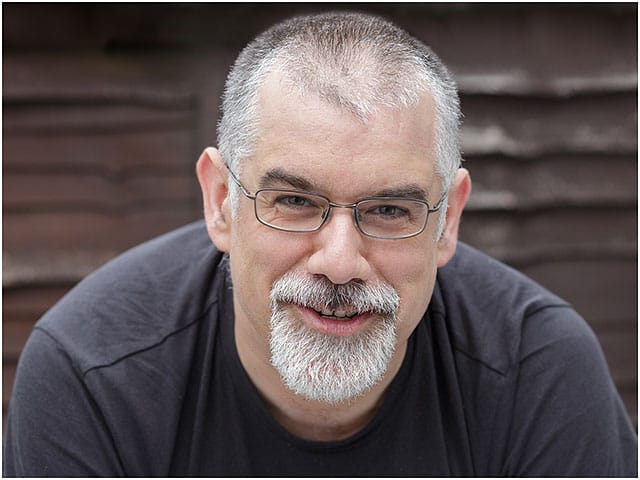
(543, 401)
(108, 369)
(136, 300)
(494, 313)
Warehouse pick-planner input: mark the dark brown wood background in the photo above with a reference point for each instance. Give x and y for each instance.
(106, 107)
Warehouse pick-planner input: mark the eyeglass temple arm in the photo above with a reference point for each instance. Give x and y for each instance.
(237, 181)
(440, 202)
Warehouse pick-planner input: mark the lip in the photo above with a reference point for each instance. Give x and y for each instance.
(338, 328)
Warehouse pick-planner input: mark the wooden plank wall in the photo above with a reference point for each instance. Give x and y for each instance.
(106, 107)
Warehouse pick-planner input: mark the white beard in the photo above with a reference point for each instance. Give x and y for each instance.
(329, 368)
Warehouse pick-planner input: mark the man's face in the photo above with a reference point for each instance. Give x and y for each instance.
(306, 144)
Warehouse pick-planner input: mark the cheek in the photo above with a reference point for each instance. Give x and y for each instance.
(259, 256)
(254, 268)
(413, 274)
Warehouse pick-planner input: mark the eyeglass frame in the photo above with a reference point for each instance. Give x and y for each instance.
(327, 214)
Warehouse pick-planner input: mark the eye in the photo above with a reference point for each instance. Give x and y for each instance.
(388, 212)
(295, 202)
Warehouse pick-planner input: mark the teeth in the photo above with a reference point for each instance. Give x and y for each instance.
(337, 313)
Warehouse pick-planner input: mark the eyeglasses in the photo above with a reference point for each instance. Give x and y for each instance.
(296, 211)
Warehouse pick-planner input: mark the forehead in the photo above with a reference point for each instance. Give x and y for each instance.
(310, 137)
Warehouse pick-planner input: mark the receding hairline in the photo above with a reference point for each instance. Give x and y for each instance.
(280, 83)
(361, 63)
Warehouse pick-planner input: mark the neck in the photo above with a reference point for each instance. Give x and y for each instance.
(322, 422)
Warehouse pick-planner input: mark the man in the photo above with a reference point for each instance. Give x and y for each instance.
(324, 321)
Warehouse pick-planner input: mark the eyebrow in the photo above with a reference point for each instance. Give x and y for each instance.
(278, 177)
(411, 190)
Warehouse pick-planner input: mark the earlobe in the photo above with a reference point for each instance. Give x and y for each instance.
(212, 177)
(458, 196)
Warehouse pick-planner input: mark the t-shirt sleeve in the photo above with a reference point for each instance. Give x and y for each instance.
(54, 427)
(568, 419)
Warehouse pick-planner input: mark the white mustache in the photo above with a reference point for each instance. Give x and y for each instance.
(322, 295)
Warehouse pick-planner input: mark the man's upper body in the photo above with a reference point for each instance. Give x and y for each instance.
(136, 373)
(349, 338)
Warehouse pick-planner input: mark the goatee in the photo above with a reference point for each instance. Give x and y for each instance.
(327, 368)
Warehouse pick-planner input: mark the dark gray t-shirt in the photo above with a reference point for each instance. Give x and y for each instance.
(135, 373)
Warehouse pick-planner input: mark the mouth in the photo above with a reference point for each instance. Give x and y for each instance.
(339, 322)
(339, 310)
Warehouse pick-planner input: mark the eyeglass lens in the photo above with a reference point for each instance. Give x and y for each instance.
(303, 212)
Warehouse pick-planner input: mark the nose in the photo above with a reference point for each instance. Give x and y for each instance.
(339, 250)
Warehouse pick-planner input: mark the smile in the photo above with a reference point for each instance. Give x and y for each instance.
(336, 322)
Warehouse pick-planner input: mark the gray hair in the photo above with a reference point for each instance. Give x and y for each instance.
(357, 62)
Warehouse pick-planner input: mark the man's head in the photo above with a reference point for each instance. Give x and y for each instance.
(356, 62)
(352, 109)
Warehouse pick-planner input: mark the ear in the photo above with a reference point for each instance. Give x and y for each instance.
(212, 175)
(458, 196)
